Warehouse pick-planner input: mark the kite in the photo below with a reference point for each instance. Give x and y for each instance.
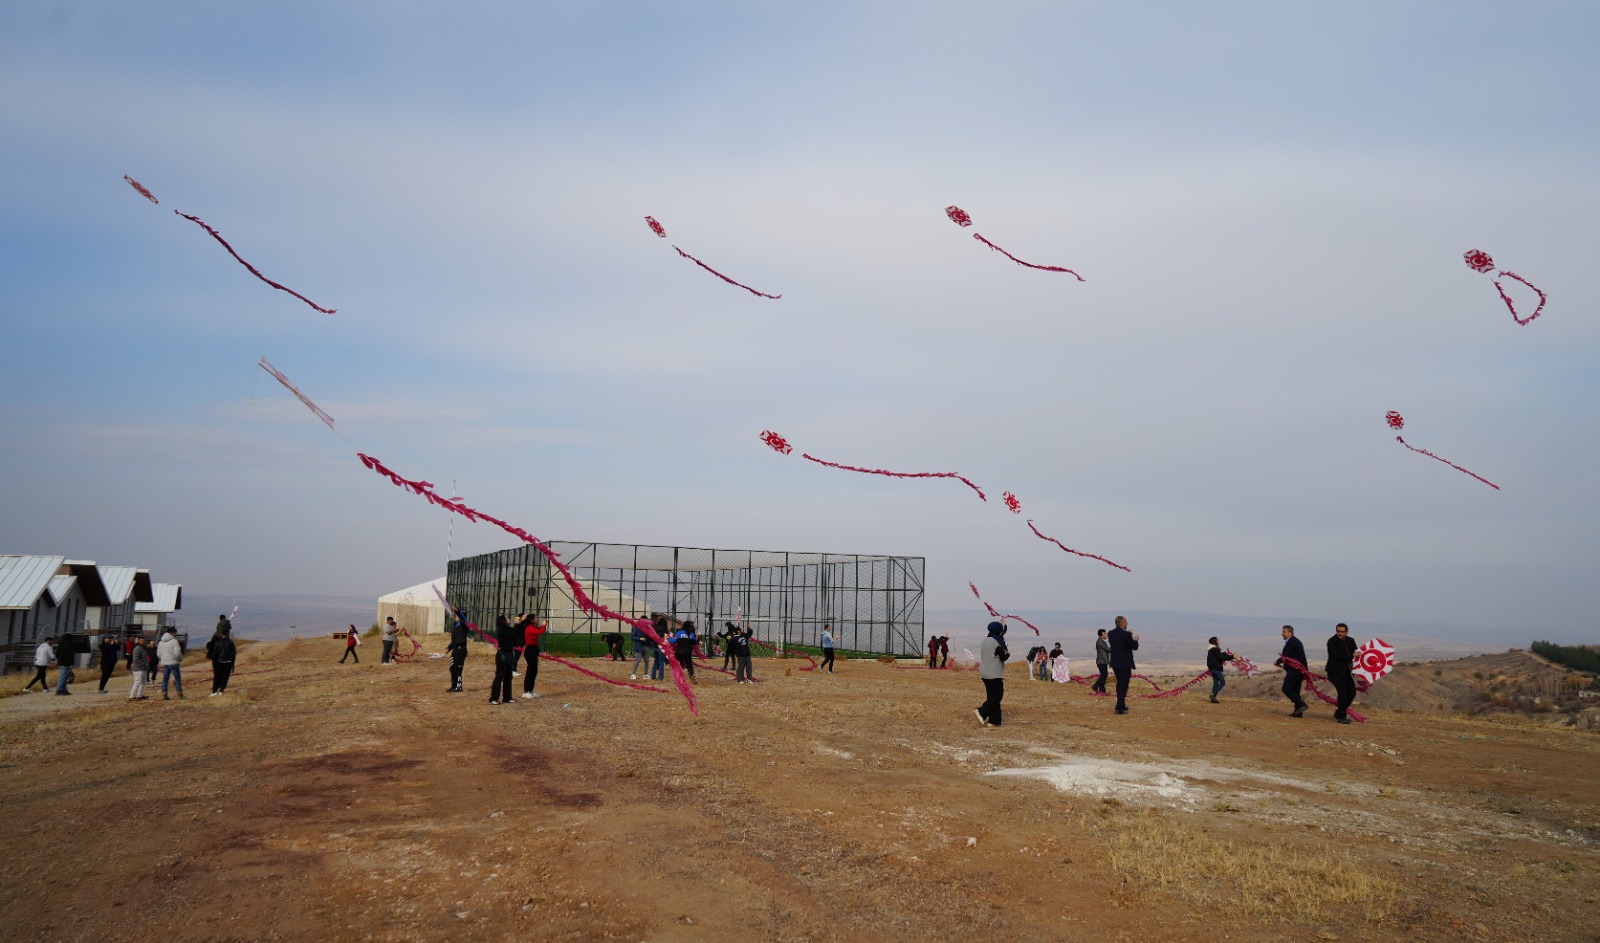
(961, 218)
(1092, 556)
(141, 188)
(1374, 660)
(998, 615)
(298, 395)
(253, 271)
(781, 445)
(1012, 504)
(1479, 261)
(579, 594)
(661, 231)
(1397, 422)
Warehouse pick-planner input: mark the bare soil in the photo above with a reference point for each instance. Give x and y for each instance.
(318, 801)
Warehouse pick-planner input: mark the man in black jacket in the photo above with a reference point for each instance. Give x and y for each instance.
(223, 652)
(1292, 678)
(1102, 661)
(458, 650)
(1123, 645)
(1341, 665)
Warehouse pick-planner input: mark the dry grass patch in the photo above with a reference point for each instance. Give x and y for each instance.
(1156, 853)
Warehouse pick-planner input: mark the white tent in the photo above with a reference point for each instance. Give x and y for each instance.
(415, 608)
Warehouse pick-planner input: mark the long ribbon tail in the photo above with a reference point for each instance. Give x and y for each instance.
(579, 594)
(895, 474)
(1512, 307)
(1311, 685)
(1042, 268)
(597, 675)
(253, 271)
(758, 294)
(1447, 462)
(1092, 556)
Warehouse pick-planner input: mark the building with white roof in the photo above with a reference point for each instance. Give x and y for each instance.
(43, 596)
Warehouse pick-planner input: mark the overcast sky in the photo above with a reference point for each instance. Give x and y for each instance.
(1269, 203)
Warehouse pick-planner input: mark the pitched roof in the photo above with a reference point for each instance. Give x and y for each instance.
(168, 598)
(23, 577)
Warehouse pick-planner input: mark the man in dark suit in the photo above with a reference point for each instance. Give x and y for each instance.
(1123, 645)
(1341, 664)
(1292, 678)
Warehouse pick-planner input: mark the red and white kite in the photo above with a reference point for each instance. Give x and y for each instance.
(1374, 659)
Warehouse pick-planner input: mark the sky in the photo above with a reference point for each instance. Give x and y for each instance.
(1268, 203)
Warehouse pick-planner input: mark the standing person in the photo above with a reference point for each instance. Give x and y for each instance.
(1102, 661)
(110, 652)
(457, 650)
(66, 654)
(222, 653)
(1035, 667)
(641, 653)
(1292, 678)
(944, 651)
(933, 652)
(683, 649)
(739, 644)
(391, 634)
(1215, 659)
(505, 660)
(1055, 655)
(658, 659)
(139, 663)
(991, 671)
(170, 654)
(728, 634)
(42, 657)
(223, 622)
(827, 648)
(1123, 644)
(532, 635)
(1341, 667)
(352, 638)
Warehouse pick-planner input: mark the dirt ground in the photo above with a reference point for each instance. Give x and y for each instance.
(318, 801)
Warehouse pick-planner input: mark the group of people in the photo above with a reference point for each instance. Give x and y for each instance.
(938, 651)
(1114, 651)
(144, 658)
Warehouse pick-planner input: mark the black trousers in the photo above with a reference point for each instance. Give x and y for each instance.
(933, 660)
(107, 668)
(1100, 685)
(1123, 676)
(350, 652)
(221, 671)
(39, 679)
(530, 671)
(500, 688)
(388, 650)
(827, 660)
(1292, 681)
(1345, 683)
(994, 690)
(458, 660)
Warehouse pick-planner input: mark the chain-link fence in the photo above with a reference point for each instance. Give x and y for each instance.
(874, 603)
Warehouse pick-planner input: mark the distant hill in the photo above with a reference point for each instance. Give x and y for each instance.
(271, 617)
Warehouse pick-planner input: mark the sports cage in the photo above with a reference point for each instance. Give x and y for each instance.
(874, 603)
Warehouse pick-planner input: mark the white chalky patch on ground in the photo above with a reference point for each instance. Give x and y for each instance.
(1094, 776)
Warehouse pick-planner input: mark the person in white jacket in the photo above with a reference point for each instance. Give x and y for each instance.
(42, 657)
(170, 654)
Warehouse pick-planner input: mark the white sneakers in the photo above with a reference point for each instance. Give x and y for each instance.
(633, 677)
(530, 694)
